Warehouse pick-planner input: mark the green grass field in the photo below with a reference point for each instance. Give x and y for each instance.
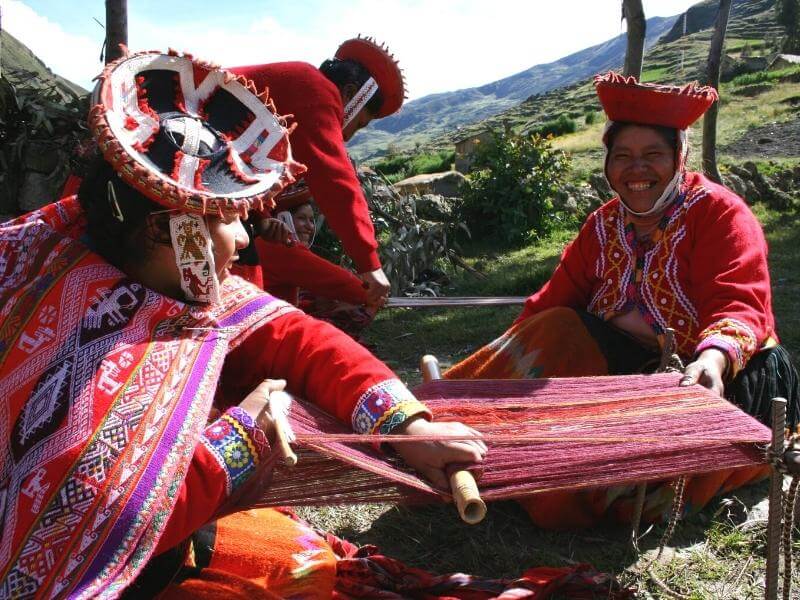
(718, 553)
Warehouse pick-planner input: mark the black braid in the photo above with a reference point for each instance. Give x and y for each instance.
(120, 243)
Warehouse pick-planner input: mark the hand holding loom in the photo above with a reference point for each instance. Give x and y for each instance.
(462, 483)
(268, 404)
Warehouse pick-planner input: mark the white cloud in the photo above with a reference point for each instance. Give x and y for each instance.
(71, 56)
(442, 45)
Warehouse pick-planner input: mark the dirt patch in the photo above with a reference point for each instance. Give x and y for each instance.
(770, 141)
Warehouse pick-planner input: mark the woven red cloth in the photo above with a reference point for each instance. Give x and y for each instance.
(365, 573)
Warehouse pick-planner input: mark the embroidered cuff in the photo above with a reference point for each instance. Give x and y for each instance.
(384, 406)
(734, 338)
(238, 444)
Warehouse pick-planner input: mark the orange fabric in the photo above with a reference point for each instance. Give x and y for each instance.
(555, 343)
(211, 584)
(263, 552)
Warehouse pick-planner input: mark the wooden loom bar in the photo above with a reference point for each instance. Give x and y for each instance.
(775, 519)
(451, 301)
(462, 483)
(281, 437)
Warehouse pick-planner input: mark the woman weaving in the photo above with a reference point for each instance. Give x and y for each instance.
(111, 359)
(672, 251)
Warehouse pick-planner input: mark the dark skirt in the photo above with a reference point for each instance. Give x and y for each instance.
(769, 374)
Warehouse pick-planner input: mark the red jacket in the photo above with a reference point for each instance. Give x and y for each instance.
(706, 275)
(285, 269)
(300, 89)
(320, 363)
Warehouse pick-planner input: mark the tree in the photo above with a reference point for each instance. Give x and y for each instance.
(710, 120)
(633, 13)
(116, 28)
(787, 13)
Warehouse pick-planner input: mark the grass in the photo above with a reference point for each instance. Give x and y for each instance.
(763, 76)
(717, 553)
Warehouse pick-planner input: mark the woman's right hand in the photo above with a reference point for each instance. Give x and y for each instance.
(275, 230)
(256, 404)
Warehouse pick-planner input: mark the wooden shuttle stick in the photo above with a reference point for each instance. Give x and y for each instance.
(462, 483)
(279, 403)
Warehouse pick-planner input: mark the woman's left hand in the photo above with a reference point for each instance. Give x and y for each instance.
(708, 369)
(429, 458)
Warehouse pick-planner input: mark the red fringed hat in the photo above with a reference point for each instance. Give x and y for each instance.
(625, 99)
(293, 196)
(384, 69)
(189, 135)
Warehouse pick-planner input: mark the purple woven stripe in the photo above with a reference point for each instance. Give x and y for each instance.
(133, 508)
(240, 315)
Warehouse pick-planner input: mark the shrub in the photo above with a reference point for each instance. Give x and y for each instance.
(563, 124)
(409, 247)
(591, 117)
(510, 187)
(396, 168)
(37, 125)
(764, 76)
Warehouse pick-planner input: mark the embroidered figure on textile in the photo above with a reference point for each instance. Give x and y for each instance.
(44, 402)
(191, 242)
(110, 305)
(35, 488)
(195, 282)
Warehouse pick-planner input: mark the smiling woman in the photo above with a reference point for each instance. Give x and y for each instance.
(673, 251)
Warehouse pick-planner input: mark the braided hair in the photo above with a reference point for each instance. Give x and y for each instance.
(121, 242)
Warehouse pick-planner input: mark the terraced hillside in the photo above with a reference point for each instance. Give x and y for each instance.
(674, 59)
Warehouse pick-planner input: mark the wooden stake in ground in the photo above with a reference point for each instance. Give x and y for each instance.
(633, 13)
(712, 78)
(116, 28)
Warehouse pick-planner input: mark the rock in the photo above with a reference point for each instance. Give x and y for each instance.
(600, 185)
(736, 183)
(764, 141)
(447, 184)
(434, 207)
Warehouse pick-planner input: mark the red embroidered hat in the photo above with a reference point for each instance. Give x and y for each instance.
(625, 99)
(384, 69)
(189, 135)
(293, 196)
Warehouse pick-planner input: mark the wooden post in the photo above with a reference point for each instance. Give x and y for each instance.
(710, 167)
(116, 28)
(462, 483)
(775, 519)
(633, 13)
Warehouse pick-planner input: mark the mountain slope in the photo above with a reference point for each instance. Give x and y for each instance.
(21, 66)
(439, 113)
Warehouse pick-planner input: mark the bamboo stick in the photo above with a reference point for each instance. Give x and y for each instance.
(466, 495)
(280, 421)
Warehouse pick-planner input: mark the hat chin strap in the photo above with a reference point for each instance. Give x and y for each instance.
(667, 196)
(194, 258)
(359, 100)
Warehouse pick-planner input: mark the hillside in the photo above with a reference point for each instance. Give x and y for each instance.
(670, 56)
(434, 115)
(751, 24)
(20, 65)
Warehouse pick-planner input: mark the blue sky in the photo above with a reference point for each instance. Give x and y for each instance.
(442, 45)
